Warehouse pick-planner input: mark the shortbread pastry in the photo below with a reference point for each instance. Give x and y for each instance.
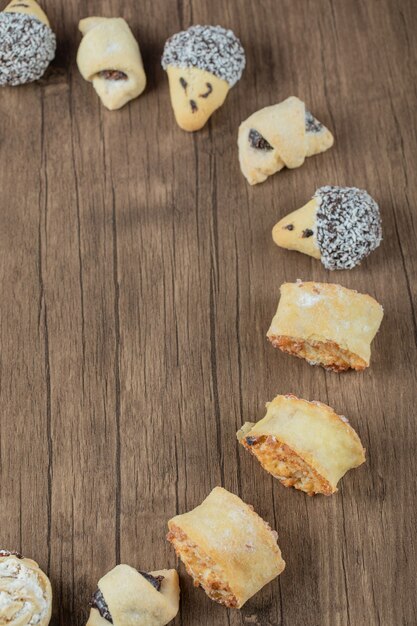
(110, 58)
(202, 64)
(303, 444)
(340, 226)
(25, 592)
(27, 43)
(128, 597)
(326, 324)
(278, 136)
(227, 548)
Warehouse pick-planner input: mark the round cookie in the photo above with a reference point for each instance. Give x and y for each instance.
(340, 226)
(27, 43)
(202, 63)
(25, 591)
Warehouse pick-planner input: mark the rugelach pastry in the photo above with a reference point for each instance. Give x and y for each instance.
(202, 64)
(128, 597)
(226, 548)
(340, 226)
(27, 43)
(110, 58)
(278, 136)
(326, 324)
(303, 444)
(25, 592)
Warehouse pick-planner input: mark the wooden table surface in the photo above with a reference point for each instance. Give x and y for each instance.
(138, 280)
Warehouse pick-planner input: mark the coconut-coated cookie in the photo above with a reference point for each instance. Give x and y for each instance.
(202, 63)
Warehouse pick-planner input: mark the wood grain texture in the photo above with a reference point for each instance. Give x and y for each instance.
(138, 280)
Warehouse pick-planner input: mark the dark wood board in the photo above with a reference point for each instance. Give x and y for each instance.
(139, 278)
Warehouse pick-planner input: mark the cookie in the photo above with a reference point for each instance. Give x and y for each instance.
(278, 136)
(305, 445)
(227, 548)
(340, 226)
(126, 596)
(25, 591)
(326, 324)
(27, 43)
(202, 64)
(109, 57)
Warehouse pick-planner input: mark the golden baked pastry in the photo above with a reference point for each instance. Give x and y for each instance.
(326, 324)
(226, 547)
(278, 136)
(25, 592)
(202, 63)
(127, 597)
(303, 444)
(339, 225)
(110, 58)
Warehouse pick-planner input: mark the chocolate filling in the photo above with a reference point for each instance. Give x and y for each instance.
(251, 440)
(113, 75)
(307, 233)
(312, 125)
(98, 602)
(10, 553)
(257, 141)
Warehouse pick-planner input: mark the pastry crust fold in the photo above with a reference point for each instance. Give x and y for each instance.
(133, 601)
(284, 128)
(109, 57)
(227, 548)
(326, 324)
(303, 444)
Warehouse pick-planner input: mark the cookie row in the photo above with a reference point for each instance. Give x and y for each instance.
(226, 547)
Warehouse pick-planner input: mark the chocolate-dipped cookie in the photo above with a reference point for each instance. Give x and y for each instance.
(124, 593)
(25, 591)
(202, 64)
(340, 226)
(27, 43)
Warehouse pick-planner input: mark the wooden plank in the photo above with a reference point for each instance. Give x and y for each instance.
(138, 281)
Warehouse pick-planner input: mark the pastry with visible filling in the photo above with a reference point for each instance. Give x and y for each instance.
(27, 43)
(126, 596)
(326, 324)
(281, 135)
(340, 226)
(227, 548)
(202, 63)
(109, 57)
(25, 592)
(303, 444)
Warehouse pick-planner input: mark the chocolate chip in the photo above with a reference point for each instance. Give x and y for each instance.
(251, 440)
(194, 106)
(307, 233)
(208, 92)
(10, 553)
(257, 141)
(98, 602)
(113, 75)
(184, 83)
(154, 580)
(289, 227)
